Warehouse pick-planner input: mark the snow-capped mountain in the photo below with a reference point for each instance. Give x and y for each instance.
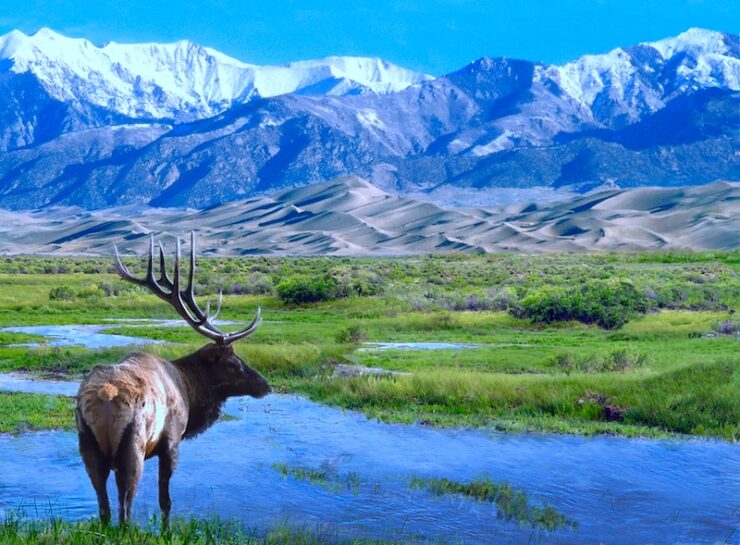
(181, 80)
(623, 85)
(660, 113)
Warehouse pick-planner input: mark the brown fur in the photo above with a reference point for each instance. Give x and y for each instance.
(144, 406)
(107, 392)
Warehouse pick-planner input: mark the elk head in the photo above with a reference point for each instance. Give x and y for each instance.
(228, 373)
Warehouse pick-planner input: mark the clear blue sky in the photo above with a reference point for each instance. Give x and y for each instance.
(434, 36)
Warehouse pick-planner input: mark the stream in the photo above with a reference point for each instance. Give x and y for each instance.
(617, 491)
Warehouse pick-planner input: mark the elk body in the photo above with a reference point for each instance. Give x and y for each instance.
(144, 406)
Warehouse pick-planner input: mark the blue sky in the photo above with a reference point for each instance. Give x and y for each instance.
(434, 36)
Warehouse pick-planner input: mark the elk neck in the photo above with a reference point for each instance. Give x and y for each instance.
(203, 398)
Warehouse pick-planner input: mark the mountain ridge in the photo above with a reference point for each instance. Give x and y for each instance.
(199, 81)
(658, 113)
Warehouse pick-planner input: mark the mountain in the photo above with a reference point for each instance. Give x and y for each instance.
(181, 81)
(659, 114)
(348, 216)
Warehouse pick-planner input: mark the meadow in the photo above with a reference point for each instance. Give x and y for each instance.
(631, 344)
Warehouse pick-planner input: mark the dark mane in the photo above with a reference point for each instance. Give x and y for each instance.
(205, 402)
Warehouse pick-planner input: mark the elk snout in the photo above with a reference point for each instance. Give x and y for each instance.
(257, 384)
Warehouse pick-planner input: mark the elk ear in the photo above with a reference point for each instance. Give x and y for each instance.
(213, 354)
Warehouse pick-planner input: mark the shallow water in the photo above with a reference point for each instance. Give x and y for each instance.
(416, 346)
(96, 336)
(619, 491)
(88, 336)
(22, 382)
(375, 346)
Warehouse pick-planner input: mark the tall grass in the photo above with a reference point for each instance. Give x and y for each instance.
(701, 399)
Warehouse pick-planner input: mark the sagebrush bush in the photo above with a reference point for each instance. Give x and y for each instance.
(62, 293)
(352, 334)
(609, 304)
(727, 327)
(256, 284)
(297, 289)
(355, 281)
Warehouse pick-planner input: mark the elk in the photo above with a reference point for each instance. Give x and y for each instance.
(144, 406)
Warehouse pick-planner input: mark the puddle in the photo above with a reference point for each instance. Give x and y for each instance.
(89, 336)
(20, 382)
(618, 491)
(368, 346)
(96, 336)
(344, 370)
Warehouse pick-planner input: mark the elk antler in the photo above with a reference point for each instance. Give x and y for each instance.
(184, 300)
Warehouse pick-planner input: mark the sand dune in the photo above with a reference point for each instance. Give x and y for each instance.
(348, 216)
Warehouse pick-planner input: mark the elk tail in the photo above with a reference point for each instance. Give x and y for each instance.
(107, 392)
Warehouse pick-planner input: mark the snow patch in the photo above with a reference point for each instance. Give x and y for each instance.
(369, 118)
(500, 143)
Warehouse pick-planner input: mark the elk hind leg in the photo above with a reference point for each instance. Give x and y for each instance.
(129, 467)
(167, 462)
(97, 465)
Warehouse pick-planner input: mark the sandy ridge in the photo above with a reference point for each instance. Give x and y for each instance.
(348, 216)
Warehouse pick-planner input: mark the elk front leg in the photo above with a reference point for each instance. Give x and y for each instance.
(167, 462)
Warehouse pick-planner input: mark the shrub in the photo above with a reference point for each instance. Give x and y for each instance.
(256, 284)
(352, 281)
(299, 289)
(548, 304)
(90, 292)
(61, 293)
(351, 335)
(608, 304)
(727, 327)
(115, 289)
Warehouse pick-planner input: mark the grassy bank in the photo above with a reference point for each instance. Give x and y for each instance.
(182, 532)
(547, 354)
(28, 412)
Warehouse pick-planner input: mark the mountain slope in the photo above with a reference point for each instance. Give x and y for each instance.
(178, 81)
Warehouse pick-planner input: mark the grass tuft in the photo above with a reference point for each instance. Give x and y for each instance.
(511, 503)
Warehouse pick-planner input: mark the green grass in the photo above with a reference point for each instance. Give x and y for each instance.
(700, 399)
(55, 531)
(314, 476)
(511, 503)
(655, 376)
(7, 337)
(326, 477)
(27, 412)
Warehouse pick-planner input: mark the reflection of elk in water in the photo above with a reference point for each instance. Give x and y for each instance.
(144, 405)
